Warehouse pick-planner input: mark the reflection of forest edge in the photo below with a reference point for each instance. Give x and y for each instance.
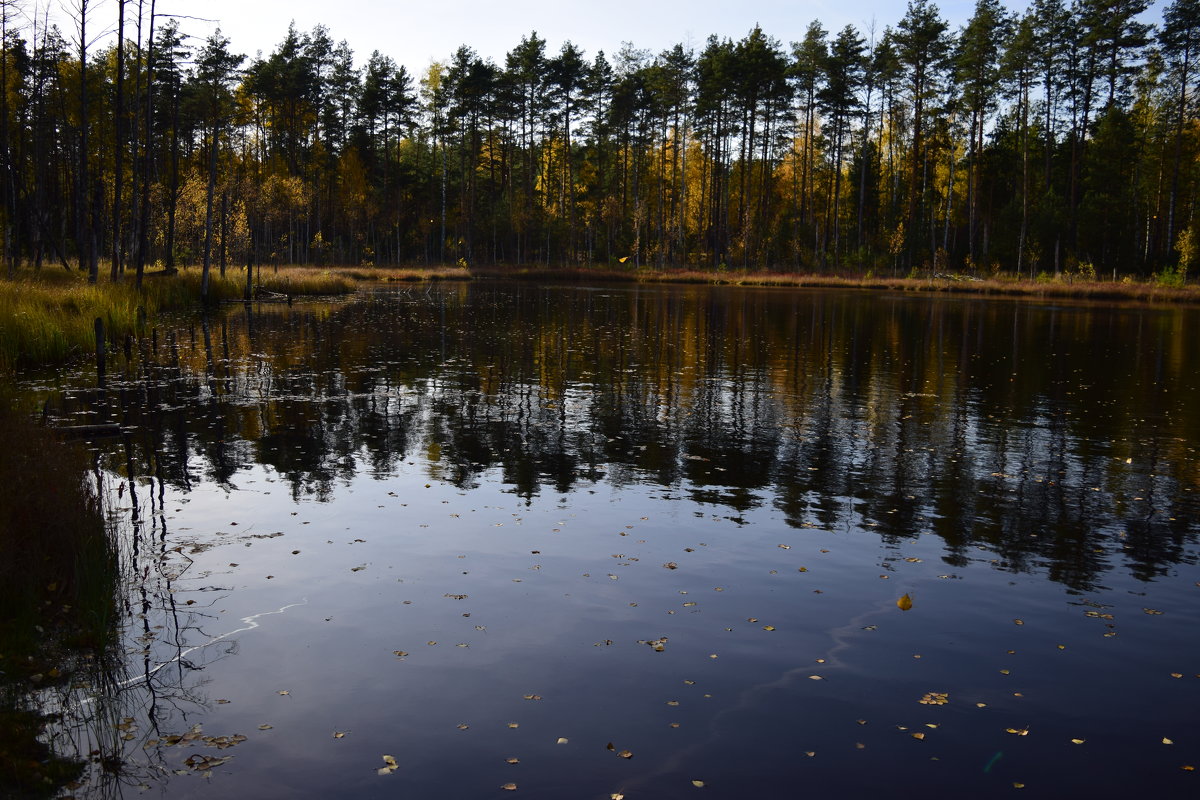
(1055, 438)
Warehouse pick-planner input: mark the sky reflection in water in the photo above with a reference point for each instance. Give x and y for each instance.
(674, 520)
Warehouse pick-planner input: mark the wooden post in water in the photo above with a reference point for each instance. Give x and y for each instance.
(99, 325)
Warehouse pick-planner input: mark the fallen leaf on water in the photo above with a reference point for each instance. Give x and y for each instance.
(514, 724)
(462, 726)
(785, 547)
(399, 653)
(339, 734)
(698, 784)
(512, 761)
(283, 691)
(265, 727)
(533, 697)
(562, 740)
(917, 735)
(935, 699)
(1078, 741)
(1188, 768)
(672, 702)
(671, 565)
(810, 753)
(1167, 741)
(1018, 785)
(1018, 622)
(389, 767)
(768, 627)
(1017, 731)
(815, 678)
(616, 796)
(625, 754)
(509, 787)
(1176, 674)
(904, 603)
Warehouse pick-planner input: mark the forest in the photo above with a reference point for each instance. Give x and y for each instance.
(1060, 140)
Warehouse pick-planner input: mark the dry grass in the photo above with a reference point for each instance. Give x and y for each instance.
(1063, 287)
(403, 274)
(47, 317)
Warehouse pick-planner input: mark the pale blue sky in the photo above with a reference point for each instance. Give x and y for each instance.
(416, 33)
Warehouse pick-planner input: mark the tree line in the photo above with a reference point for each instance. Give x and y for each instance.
(1062, 138)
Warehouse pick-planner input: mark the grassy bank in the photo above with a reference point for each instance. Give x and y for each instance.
(1062, 286)
(48, 317)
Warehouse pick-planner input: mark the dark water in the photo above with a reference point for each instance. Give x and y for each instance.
(675, 522)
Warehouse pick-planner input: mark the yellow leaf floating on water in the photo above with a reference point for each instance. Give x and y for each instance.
(1167, 741)
(904, 603)
(509, 787)
(935, 699)
(625, 754)
(389, 767)
(1078, 741)
(512, 761)
(698, 784)
(917, 735)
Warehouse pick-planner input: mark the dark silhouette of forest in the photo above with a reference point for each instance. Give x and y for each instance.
(1060, 139)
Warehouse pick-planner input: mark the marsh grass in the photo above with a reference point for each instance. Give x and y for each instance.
(48, 317)
(1064, 286)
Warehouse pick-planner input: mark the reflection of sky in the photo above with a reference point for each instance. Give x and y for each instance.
(518, 504)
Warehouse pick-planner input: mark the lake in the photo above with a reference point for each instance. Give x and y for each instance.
(474, 540)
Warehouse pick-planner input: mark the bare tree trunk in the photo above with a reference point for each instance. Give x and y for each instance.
(208, 213)
(148, 152)
(119, 150)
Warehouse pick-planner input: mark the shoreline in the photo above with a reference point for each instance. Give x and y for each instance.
(47, 317)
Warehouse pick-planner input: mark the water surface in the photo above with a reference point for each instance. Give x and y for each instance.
(565, 525)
